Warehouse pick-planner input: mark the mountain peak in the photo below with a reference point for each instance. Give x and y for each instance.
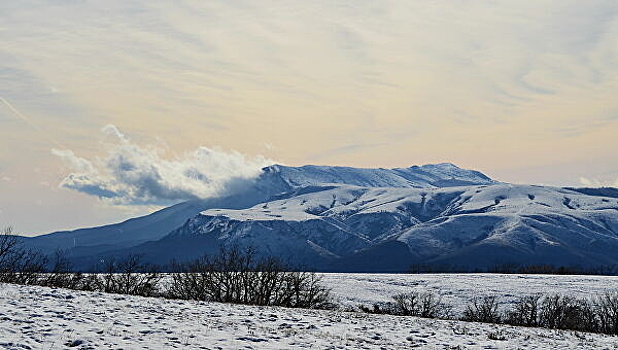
(425, 176)
(445, 165)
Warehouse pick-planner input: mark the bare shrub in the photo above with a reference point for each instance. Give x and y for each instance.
(607, 311)
(18, 265)
(421, 304)
(483, 309)
(129, 276)
(237, 276)
(525, 312)
(22, 266)
(59, 274)
(25, 267)
(379, 308)
(565, 312)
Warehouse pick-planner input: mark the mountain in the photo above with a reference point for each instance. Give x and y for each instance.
(349, 219)
(274, 180)
(351, 228)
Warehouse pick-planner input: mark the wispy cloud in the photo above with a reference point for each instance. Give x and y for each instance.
(134, 174)
(418, 66)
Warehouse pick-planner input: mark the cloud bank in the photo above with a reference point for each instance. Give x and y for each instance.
(134, 174)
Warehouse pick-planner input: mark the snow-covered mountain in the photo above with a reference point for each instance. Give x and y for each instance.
(274, 180)
(388, 229)
(349, 219)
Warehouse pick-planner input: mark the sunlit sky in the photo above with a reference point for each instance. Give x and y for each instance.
(524, 91)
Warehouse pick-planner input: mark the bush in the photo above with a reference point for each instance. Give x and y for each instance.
(421, 304)
(128, 276)
(483, 309)
(564, 312)
(8, 244)
(607, 310)
(525, 312)
(18, 265)
(236, 276)
(377, 308)
(59, 274)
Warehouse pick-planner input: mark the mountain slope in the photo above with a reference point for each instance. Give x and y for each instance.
(135, 231)
(388, 229)
(524, 225)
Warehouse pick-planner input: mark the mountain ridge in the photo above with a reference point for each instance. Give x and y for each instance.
(344, 219)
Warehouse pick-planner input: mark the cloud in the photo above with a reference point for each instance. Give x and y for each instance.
(113, 131)
(134, 174)
(79, 165)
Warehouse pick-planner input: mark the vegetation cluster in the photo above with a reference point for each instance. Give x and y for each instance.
(233, 275)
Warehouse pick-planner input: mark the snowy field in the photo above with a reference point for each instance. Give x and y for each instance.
(45, 318)
(458, 289)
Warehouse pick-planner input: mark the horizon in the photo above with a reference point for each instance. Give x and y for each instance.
(113, 110)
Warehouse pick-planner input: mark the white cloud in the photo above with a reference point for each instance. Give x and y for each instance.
(77, 164)
(134, 174)
(113, 131)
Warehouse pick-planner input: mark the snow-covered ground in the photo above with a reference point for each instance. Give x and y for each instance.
(45, 318)
(458, 289)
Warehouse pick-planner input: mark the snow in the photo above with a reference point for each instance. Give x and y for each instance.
(44, 318)
(353, 289)
(343, 201)
(332, 201)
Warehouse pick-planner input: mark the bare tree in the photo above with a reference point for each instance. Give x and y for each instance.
(59, 273)
(18, 265)
(8, 246)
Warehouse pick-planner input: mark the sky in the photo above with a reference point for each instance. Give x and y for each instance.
(112, 109)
